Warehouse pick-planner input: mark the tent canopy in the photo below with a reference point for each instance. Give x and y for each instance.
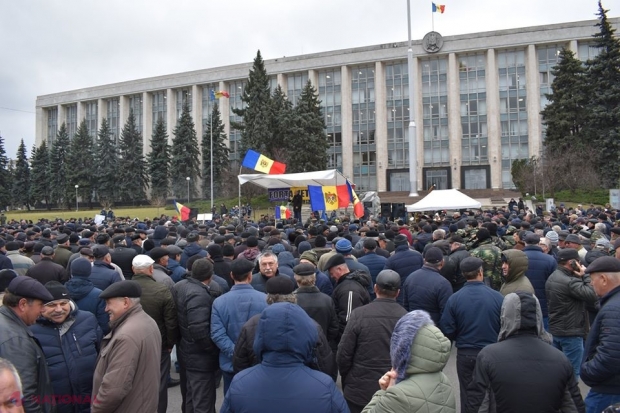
(444, 199)
(323, 178)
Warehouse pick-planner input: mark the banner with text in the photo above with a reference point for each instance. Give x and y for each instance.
(284, 194)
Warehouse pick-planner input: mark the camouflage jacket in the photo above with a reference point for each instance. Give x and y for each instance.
(492, 257)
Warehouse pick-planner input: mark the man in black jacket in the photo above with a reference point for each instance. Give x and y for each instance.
(198, 355)
(122, 256)
(524, 373)
(351, 289)
(364, 349)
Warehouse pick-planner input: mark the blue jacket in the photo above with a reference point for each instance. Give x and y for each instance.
(71, 357)
(426, 289)
(229, 314)
(5, 262)
(539, 267)
(86, 296)
(323, 283)
(601, 358)
(282, 382)
(404, 261)
(375, 264)
(103, 275)
(472, 326)
(177, 271)
(190, 250)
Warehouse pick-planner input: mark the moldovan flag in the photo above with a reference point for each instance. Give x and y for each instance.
(258, 162)
(358, 207)
(328, 198)
(182, 210)
(282, 212)
(219, 94)
(439, 8)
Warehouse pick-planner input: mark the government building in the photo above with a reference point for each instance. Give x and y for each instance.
(477, 104)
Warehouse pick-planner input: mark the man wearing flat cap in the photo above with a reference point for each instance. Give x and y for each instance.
(21, 306)
(569, 292)
(127, 375)
(103, 274)
(600, 368)
(364, 350)
(62, 252)
(47, 270)
(472, 327)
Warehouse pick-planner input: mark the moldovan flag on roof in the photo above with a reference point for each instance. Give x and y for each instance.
(282, 212)
(439, 8)
(328, 198)
(358, 207)
(182, 210)
(261, 163)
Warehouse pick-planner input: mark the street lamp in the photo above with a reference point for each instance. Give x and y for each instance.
(76, 200)
(187, 179)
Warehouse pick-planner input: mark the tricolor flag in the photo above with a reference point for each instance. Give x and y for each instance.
(358, 207)
(282, 212)
(219, 94)
(182, 210)
(439, 8)
(328, 198)
(258, 162)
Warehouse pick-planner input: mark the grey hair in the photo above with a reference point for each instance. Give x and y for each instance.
(306, 280)
(439, 234)
(267, 254)
(600, 226)
(546, 241)
(134, 300)
(6, 365)
(281, 298)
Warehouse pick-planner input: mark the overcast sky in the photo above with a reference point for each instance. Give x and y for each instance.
(49, 46)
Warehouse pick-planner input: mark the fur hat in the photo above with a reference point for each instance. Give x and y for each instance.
(402, 339)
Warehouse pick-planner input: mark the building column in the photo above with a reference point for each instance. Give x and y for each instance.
(197, 111)
(80, 112)
(572, 46)
(347, 122)
(171, 113)
(123, 112)
(313, 76)
(102, 112)
(40, 126)
(533, 101)
(381, 126)
(224, 106)
(493, 122)
(147, 122)
(455, 132)
(282, 82)
(418, 116)
(62, 117)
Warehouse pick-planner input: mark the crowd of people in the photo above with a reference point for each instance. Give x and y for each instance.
(336, 316)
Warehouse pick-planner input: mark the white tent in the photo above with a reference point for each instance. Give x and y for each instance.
(444, 199)
(323, 178)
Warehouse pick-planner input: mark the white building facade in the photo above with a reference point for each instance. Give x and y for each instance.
(477, 104)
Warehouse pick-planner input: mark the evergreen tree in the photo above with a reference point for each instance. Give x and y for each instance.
(602, 127)
(215, 128)
(59, 184)
(106, 166)
(255, 128)
(284, 135)
(5, 177)
(132, 175)
(159, 162)
(21, 179)
(310, 139)
(565, 114)
(81, 163)
(39, 175)
(185, 156)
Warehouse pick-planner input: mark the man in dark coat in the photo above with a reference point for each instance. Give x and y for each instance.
(62, 252)
(158, 303)
(364, 349)
(85, 294)
(47, 270)
(351, 289)
(426, 289)
(473, 327)
(103, 274)
(404, 261)
(539, 267)
(21, 306)
(122, 255)
(373, 261)
(192, 248)
(601, 363)
(452, 264)
(198, 355)
(523, 371)
(70, 339)
(5, 262)
(253, 389)
(221, 267)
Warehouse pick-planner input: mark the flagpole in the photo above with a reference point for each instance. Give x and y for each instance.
(211, 164)
(239, 204)
(432, 19)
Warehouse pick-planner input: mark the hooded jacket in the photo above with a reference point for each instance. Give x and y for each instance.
(103, 275)
(516, 280)
(351, 291)
(524, 372)
(285, 338)
(404, 261)
(86, 297)
(419, 352)
(71, 350)
(189, 251)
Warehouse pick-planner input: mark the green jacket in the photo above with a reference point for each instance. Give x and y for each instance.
(425, 389)
(516, 279)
